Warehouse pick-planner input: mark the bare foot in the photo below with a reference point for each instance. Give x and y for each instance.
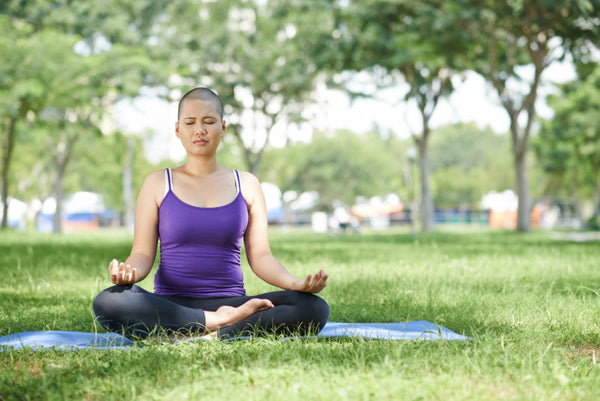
(228, 315)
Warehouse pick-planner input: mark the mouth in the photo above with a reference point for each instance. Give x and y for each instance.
(200, 142)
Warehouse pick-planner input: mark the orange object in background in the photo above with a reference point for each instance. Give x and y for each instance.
(78, 222)
(508, 218)
(503, 219)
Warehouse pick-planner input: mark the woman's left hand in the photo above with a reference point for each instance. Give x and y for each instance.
(313, 283)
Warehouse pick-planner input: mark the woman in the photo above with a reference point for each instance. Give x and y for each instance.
(201, 211)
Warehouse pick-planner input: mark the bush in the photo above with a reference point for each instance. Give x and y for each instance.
(593, 223)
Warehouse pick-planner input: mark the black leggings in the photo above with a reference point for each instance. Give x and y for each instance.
(133, 311)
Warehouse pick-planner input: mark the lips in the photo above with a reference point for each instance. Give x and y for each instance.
(200, 142)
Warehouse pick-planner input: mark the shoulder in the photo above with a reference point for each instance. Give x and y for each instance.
(247, 178)
(250, 186)
(155, 179)
(154, 186)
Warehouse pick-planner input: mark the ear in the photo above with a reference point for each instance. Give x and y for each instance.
(177, 128)
(224, 127)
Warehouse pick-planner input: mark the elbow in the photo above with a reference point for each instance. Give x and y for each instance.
(256, 261)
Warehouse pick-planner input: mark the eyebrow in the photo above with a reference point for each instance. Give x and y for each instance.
(193, 118)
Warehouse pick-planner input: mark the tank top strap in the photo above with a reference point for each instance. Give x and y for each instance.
(168, 181)
(237, 181)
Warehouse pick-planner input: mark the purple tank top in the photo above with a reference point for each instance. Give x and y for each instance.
(200, 247)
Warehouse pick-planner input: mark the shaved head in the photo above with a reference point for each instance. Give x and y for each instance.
(201, 93)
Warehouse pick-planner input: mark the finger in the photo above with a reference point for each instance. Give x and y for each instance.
(113, 270)
(314, 284)
(320, 274)
(113, 265)
(122, 273)
(313, 281)
(129, 275)
(306, 284)
(133, 275)
(322, 282)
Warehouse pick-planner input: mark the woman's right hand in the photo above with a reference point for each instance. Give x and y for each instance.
(121, 273)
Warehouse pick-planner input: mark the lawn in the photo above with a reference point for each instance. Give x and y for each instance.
(529, 302)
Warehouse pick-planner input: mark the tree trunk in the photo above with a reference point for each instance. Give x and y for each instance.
(58, 197)
(252, 159)
(63, 155)
(522, 186)
(426, 195)
(407, 173)
(6, 158)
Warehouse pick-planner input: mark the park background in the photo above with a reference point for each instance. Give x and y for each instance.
(427, 105)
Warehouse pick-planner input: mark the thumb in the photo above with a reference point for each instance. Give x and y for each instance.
(113, 267)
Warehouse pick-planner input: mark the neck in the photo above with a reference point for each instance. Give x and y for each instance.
(201, 167)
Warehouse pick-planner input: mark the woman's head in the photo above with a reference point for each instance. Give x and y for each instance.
(201, 93)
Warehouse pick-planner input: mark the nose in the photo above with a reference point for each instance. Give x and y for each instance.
(199, 129)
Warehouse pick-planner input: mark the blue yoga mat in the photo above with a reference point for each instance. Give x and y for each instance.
(71, 340)
(417, 330)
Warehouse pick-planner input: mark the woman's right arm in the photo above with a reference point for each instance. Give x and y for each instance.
(145, 235)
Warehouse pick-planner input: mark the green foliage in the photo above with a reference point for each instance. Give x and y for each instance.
(465, 145)
(264, 59)
(466, 163)
(129, 22)
(109, 151)
(503, 37)
(342, 166)
(568, 145)
(64, 65)
(593, 223)
(251, 55)
(529, 303)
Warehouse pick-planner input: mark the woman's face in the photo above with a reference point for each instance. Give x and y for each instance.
(200, 128)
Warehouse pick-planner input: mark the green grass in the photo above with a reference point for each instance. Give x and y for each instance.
(530, 303)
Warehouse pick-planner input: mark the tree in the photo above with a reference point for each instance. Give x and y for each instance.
(385, 37)
(68, 80)
(248, 53)
(28, 68)
(508, 37)
(568, 145)
(100, 23)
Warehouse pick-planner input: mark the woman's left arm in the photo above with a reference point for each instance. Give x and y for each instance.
(258, 250)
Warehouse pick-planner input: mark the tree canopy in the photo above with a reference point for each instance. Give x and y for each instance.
(66, 63)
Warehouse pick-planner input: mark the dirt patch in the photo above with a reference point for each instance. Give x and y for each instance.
(586, 351)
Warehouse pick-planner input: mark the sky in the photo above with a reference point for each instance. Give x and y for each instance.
(472, 101)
